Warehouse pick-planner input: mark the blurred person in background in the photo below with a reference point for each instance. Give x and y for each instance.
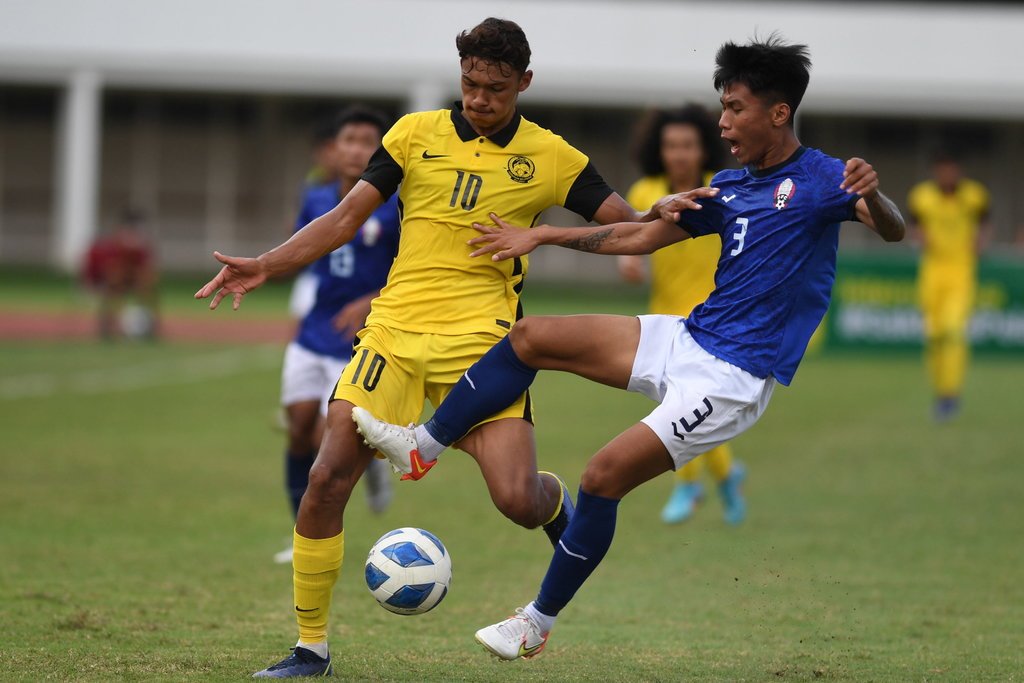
(345, 281)
(324, 172)
(679, 150)
(949, 216)
(120, 267)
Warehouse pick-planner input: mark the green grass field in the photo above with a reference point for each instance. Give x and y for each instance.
(141, 501)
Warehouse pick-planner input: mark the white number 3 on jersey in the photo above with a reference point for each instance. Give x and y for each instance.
(739, 236)
(343, 261)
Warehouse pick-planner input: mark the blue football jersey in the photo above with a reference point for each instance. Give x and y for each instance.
(347, 273)
(780, 231)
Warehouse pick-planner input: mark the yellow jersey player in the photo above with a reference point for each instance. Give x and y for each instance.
(950, 214)
(678, 151)
(440, 310)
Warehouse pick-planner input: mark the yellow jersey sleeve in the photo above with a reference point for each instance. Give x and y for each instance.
(980, 197)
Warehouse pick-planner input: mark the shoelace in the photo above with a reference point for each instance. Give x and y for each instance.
(506, 628)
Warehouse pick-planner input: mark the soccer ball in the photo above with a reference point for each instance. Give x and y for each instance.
(408, 571)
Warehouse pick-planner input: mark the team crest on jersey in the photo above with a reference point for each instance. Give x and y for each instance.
(371, 231)
(783, 193)
(521, 169)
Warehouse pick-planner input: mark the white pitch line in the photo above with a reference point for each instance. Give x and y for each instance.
(139, 376)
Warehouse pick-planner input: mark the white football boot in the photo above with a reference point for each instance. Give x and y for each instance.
(398, 444)
(518, 636)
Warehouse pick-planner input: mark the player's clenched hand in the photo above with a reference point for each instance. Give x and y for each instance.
(352, 317)
(238, 277)
(502, 240)
(859, 178)
(668, 208)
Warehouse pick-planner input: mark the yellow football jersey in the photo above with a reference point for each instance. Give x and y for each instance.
(450, 178)
(949, 222)
(682, 274)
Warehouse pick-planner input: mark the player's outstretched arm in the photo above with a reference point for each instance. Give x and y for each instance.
(504, 240)
(240, 275)
(615, 209)
(874, 209)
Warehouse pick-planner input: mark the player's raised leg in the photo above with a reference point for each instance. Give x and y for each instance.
(319, 541)
(634, 457)
(506, 453)
(600, 348)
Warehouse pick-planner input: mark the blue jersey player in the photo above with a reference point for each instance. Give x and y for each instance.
(347, 280)
(712, 373)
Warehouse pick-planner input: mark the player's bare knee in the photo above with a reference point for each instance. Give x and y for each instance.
(519, 507)
(330, 483)
(599, 480)
(525, 338)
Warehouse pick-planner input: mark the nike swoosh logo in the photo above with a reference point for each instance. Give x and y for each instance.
(417, 467)
(526, 651)
(466, 375)
(299, 609)
(426, 155)
(724, 199)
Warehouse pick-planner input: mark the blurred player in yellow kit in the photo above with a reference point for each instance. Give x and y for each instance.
(950, 214)
(679, 151)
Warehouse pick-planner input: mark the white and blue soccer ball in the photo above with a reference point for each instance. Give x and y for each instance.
(408, 571)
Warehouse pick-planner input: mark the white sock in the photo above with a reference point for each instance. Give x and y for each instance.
(319, 648)
(428, 446)
(543, 621)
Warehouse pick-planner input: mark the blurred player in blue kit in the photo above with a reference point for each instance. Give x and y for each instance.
(345, 282)
(711, 373)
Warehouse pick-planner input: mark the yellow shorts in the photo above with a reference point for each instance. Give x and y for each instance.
(947, 300)
(393, 371)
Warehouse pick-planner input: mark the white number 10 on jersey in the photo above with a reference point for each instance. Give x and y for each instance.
(739, 236)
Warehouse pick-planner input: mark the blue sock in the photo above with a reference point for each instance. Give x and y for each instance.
(296, 476)
(492, 384)
(582, 547)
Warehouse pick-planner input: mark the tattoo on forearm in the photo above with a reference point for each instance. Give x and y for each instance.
(590, 242)
(887, 217)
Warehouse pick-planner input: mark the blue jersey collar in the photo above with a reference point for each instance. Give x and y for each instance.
(765, 172)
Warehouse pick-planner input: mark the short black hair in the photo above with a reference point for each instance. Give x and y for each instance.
(647, 148)
(327, 128)
(771, 68)
(324, 130)
(497, 41)
(359, 113)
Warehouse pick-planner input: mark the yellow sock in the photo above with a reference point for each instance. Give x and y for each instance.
(952, 366)
(719, 461)
(317, 564)
(690, 472)
(947, 363)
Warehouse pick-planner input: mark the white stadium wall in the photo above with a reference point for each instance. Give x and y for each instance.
(597, 64)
